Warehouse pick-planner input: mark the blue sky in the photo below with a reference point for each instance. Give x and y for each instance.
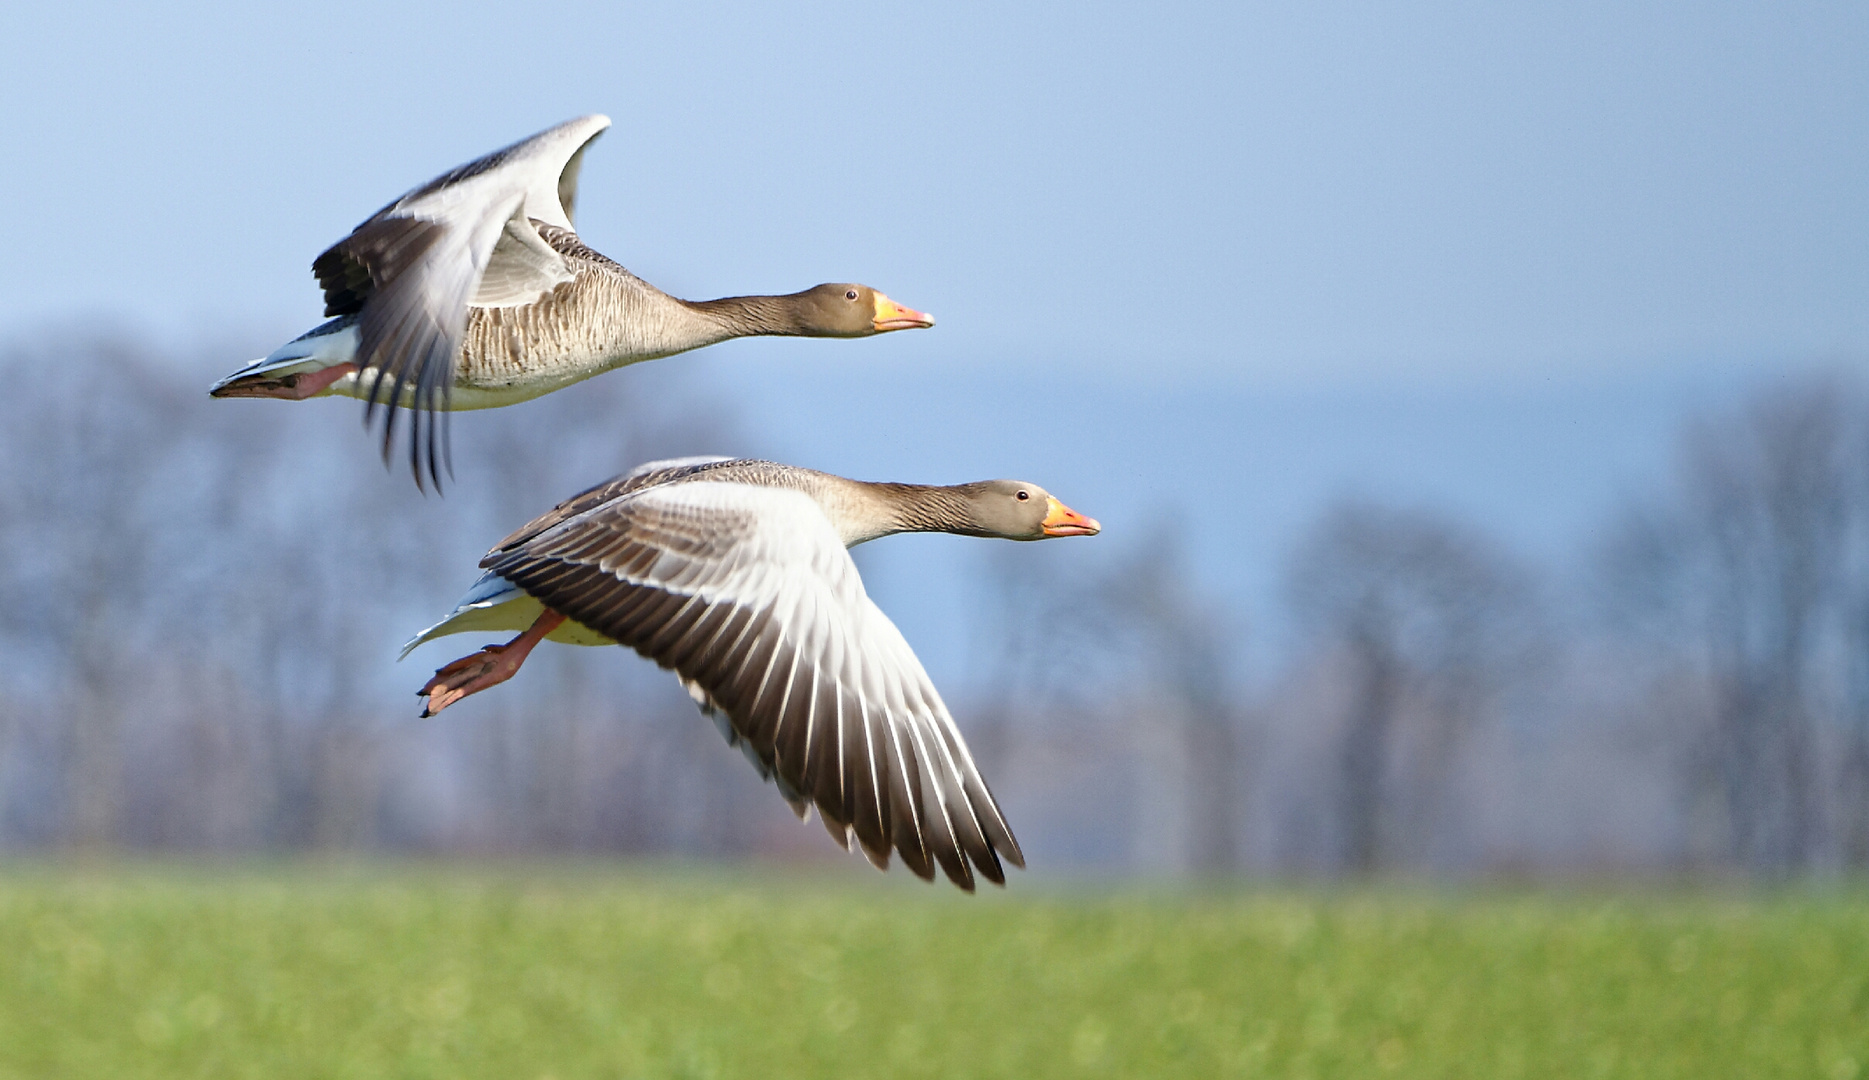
(1477, 254)
(1283, 193)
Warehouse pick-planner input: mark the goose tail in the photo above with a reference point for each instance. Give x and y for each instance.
(483, 608)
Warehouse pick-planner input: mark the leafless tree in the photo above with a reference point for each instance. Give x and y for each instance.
(202, 603)
(1142, 667)
(78, 514)
(1422, 622)
(1755, 572)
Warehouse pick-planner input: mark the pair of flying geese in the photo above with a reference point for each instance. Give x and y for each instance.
(473, 291)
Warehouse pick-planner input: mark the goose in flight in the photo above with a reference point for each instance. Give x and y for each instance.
(473, 291)
(735, 574)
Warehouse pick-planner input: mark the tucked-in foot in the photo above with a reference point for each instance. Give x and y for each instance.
(490, 666)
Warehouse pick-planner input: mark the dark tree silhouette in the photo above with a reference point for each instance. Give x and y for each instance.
(1423, 622)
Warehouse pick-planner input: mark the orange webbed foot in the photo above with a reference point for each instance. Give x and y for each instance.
(468, 675)
(490, 666)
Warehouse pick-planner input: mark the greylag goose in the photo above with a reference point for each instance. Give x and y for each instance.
(473, 291)
(735, 574)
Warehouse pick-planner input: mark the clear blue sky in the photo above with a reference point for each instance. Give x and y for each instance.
(1242, 191)
(1434, 213)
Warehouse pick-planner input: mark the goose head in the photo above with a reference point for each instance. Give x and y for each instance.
(1016, 510)
(850, 310)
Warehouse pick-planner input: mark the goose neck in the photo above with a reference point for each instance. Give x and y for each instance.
(884, 509)
(751, 316)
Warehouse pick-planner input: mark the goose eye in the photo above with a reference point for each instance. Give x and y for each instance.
(850, 295)
(1023, 495)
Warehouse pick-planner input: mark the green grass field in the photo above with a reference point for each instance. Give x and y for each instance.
(562, 972)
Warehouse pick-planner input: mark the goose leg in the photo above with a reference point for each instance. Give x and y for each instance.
(490, 666)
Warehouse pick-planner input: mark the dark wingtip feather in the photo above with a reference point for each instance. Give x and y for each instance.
(987, 863)
(839, 833)
(373, 273)
(948, 854)
(924, 867)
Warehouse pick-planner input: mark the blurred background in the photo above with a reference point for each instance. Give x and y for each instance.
(1471, 397)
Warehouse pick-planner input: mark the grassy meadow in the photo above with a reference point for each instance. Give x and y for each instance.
(582, 972)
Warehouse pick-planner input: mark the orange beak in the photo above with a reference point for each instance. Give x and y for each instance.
(893, 316)
(1061, 520)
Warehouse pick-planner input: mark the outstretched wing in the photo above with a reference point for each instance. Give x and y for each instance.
(464, 239)
(748, 595)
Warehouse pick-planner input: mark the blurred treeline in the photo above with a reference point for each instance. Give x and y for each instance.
(200, 603)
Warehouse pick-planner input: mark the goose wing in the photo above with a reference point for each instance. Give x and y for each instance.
(648, 474)
(747, 593)
(464, 239)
